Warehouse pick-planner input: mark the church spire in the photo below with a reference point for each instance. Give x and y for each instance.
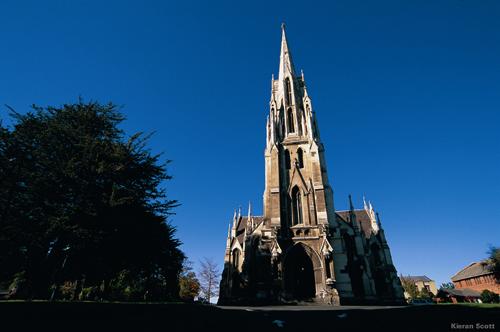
(286, 63)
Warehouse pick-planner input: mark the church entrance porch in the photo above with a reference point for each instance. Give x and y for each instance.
(299, 274)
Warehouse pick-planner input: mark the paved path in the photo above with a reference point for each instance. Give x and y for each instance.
(306, 308)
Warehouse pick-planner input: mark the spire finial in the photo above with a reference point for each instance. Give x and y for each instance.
(283, 26)
(233, 229)
(286, 64)
(351, 206)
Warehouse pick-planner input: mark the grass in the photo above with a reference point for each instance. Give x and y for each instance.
(474, 305)
(94, 316)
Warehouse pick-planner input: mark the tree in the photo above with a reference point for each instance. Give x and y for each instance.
(189, 285)
(425, 294)
(447, 285)
(494, 254)
(488, 296)
(409, 287)
(82, 201)
(209, 278)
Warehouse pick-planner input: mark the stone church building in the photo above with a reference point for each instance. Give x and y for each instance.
(302, 249)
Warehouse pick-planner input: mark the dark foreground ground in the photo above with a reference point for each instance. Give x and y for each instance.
(43, 316)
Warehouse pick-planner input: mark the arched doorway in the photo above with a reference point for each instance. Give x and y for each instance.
(299, 274)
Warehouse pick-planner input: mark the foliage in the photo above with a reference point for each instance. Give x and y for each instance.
(494, 254)
(189, 285)
(68, 290)
(19, 287)
(425, 294)
(488, 296)
(447, 285)
(409, 287)
(81, 202)
(209, 279)
(89, 294)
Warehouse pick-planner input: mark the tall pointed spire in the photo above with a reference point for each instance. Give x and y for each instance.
(286, 63)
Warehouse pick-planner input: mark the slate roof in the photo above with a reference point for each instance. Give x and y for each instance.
(466, 292)
(361, 216)
(240, 230)
(475, 269)
(418, 278)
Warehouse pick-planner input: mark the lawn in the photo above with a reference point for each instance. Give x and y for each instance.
(38, 316)
(475, 305)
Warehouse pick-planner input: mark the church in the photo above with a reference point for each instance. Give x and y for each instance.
(302, 249)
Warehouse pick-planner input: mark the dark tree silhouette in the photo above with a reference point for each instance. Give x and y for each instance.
(80, 202)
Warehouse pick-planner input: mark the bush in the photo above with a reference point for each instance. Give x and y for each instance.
(18, 288)
(425, 294)
(68, 290)
(89, 294)
(489, 297)
(124, 287)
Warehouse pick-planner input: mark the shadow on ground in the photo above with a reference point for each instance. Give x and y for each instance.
(42, 316)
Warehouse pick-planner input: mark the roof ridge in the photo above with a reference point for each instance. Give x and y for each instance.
(349, 210)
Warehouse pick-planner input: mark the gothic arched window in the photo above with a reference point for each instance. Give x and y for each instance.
(287, 159)
(300, 158)
(296, 206)
(291, 127)
(236, 258)
(288, 91)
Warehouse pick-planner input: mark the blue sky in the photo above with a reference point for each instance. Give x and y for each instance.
(407, 95)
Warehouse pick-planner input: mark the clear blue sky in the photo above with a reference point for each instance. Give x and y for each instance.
(407, 94)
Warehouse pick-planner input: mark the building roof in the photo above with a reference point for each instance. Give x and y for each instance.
(240, 230)
(362, 217)
(466, 292)
(418, 278)
(475, 269)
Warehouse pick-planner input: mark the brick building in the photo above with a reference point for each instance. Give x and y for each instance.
(477, 276)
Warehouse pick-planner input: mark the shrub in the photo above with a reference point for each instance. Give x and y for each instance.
(18, 288)
(488, 296)
(89, 294)
(124, 287)
(68, 290)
